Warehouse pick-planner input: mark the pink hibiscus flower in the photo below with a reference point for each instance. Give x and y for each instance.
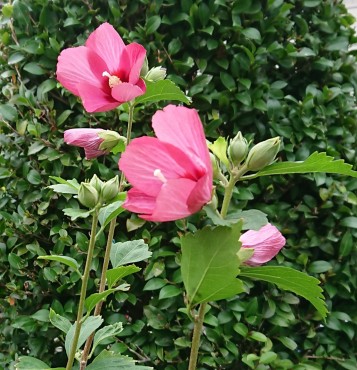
(171, 174)
(105, 72)
(266, 242)
(86, 138)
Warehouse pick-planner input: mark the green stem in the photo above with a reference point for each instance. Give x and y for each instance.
(103, 278)
(197, 330)
(234, 177)
(82, 298)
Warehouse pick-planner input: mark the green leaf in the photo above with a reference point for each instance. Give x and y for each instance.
(123, 253)
(316, 162)
(8, 112)
(109, 212)
(209, 264)
(74, 183)
(120, 272)
(33, 177)
(169, 291)
(219, 149)
(34, 68)
(253, 219)
(162, 90)
(59, 321)
(107, 332)
(113, 361)
(63, 189)
(289, 279)
(31, 363)
(75, 213)
(88, 327)
(252, 33)
(69, 261)
(95, 298)
(152, 24)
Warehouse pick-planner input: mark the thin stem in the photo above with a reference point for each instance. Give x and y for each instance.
(82, 298)
(102, 284)
(197, 330)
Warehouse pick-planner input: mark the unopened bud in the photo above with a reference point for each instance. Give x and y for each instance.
(263, 154)
(144, 68)
(110, 189)
(96, 183)
(215, 167)
(238, 149)
(88, 195)
(156, 74)
(110, 140)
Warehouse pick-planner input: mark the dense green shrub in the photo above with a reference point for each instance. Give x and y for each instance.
(263, 67)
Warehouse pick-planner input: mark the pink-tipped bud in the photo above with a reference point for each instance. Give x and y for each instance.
(266, 243)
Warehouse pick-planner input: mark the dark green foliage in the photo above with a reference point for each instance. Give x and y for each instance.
(266, 68)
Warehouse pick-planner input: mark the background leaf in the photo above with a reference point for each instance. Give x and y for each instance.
(123, 253)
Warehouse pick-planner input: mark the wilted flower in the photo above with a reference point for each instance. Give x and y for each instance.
(266, 243)
(171, 174)
(91, 139)
(105, 72)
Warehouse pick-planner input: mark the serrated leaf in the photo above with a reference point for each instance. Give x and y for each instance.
(219, 149)
(106, 332)
(75, 213)
(112, 361)
(31, 363)
(69, 261)
(88, 327)
(109, 212)
(59, 321)
(123, 253)
(95, 298)
(162, 90)
(289, 279)
(209, 264)
(114, 275)
(316, 162)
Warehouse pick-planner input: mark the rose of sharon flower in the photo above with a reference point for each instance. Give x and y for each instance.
(171, 174)
(266, 242)
(105, 72)
(86, 138)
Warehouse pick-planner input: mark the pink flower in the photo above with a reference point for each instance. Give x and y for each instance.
(266, 242)
(86, 138)
(105, 72)
(171, 174)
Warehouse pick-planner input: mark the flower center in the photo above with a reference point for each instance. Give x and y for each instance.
(160, 176)
(113, 80)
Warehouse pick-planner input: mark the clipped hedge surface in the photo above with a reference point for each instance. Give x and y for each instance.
(266, 68)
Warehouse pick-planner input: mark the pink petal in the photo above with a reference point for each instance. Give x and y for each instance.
(137, 55)
(171, 202)
(82, 136)
(107, 43)
(92, 153)
(94, 99)
(182, 127)
(139, 202)
(80, 65)
(126, 91)
(266, 242)
(201, 194)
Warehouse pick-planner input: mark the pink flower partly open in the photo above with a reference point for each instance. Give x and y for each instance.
(86, 138)
(105, 72)
(171, 174)
(266, 242)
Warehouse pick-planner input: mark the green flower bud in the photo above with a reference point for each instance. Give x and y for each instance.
(88, 195)
(144, 68)
(96, 183)
(262, 154)
(156, 74)
(238, 149)
(110, 189)
(215, 167)
(110, 140)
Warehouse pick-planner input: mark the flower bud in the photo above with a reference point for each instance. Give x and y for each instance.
(215, 167)
(110, 189)
(96, 183)
(110, 140)
(144, 68)
(156, 74)
(266, 243)
(263, 154)
(88, 195)
(238, 149)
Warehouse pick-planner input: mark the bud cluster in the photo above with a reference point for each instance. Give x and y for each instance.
(97, 192)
